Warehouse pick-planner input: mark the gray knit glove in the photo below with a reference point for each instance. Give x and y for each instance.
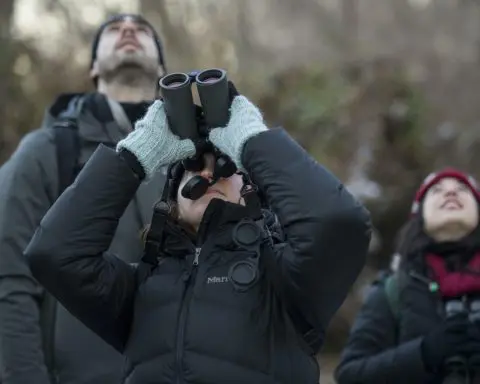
(245, 122)
(152, 142)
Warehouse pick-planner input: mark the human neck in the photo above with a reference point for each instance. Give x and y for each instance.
(141, 89)
(452, 232)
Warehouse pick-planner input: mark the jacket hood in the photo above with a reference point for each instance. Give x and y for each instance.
(63, 103)
(219, 220)
(95, 121)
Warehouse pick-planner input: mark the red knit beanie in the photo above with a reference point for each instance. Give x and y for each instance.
(435, 177)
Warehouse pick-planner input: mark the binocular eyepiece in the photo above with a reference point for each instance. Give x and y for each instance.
(198, 185)
(212, 86)
(181, 111)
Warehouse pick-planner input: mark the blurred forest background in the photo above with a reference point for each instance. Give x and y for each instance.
(381, 91)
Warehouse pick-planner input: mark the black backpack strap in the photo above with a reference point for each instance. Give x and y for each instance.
(143, 272)
(392, 292)
(153, 240)
(67, 145)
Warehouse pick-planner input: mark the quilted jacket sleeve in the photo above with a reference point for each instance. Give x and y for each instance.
(327, 230)
(68, 253)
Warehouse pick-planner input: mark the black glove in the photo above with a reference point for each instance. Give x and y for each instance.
(474, 336)
(451, 338)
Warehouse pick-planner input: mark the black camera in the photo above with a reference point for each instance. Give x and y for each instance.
(184, 121)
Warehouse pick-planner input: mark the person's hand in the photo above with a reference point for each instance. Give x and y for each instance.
(474, 335)
(450, 338)
(153, 143)
(245, 122)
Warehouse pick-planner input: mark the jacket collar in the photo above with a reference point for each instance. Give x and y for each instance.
(216, 229)
(95, 122)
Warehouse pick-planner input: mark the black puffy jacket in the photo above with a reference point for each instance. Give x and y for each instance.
(385, 346)
(186, 323)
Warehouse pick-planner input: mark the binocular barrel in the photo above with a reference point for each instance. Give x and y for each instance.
(179, 106)
(212, 86)
(456, 366)
(454, 307)
(213, 91)
(474, 310)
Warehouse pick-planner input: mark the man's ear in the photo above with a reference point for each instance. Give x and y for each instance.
(94, 70)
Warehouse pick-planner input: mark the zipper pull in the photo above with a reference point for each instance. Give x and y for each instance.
(432, 285)
(197, 254)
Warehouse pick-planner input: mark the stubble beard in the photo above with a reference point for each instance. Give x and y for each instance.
(128, 68)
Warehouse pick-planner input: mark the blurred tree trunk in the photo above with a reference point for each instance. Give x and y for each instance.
(180, 49)
(325, 23)
(244, 43)
(6, 64)
(350, 21)
(250, 55)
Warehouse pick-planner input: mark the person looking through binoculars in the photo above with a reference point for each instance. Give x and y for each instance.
(251, 250)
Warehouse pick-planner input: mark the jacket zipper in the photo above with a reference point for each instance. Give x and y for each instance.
(431, 284)
(182, 322)
(433, 288)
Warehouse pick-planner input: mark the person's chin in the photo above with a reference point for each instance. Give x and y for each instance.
(213, 195)
(453, 214)
(455, 218)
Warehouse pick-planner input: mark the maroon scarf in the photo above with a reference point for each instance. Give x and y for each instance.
(458, 283)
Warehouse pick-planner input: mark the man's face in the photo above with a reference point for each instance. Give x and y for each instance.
(450, 204)
(127, 44)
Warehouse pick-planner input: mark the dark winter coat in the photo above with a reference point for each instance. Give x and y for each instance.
(385, 341)
(187, 323)
(384, 348)
(29, 186)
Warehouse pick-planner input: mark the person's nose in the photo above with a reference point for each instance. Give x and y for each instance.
(207, 173)
(128, 28)
(451, 192)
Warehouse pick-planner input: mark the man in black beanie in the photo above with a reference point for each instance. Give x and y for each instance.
(40, 341)
(127, 56)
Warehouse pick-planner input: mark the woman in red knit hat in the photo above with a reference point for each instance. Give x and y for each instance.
(420, 325)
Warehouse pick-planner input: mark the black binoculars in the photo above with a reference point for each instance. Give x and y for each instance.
(212, 86)
(184, 121)
(458, 368)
